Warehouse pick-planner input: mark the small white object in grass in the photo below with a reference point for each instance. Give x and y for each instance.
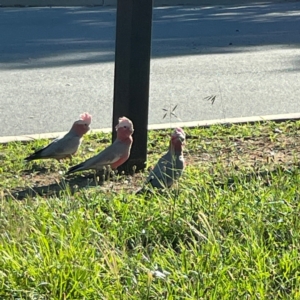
(158, 274)
(63, 216)
(91, 150)
(60, 172)
(109, 219)
(277, 130)
(43, 283)
(162, 274)
(145, 258)
(194, 273)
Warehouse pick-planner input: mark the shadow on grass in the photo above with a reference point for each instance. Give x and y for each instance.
(69, 184)
(75, 183)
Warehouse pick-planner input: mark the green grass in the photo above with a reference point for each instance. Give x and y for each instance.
(229, 229)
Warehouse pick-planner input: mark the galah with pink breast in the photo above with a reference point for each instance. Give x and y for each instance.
(115, 154)
(171, 165)
(67, 145)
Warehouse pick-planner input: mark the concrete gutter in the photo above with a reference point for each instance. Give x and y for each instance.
(64, 3)
(253, 119)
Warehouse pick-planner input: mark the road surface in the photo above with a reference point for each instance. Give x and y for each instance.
(56, 63)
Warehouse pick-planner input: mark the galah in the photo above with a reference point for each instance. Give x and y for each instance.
(67, 145)
(115, 154)
(170, 166)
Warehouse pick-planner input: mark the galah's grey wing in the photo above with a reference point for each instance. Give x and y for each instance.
(108, 156)
(166, 170)
(156, 177)
(62, 147)
(104, 158)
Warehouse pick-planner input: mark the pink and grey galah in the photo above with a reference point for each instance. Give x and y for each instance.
(67, 145)
(115, 154)
(171, 165)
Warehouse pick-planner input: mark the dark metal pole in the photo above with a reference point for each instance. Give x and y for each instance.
(132, 71)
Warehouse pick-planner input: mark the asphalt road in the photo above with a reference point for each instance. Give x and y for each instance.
(58, 62)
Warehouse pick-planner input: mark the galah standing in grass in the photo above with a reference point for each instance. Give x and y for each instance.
(67, 145)
(171, 165)
(115, 154)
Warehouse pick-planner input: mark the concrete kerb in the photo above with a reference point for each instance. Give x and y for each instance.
(193, 124)
(68, 3)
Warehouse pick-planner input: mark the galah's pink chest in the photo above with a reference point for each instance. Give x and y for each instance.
(125, 155)
(119, 162)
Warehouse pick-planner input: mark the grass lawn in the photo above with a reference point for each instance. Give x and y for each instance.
(229, 229)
